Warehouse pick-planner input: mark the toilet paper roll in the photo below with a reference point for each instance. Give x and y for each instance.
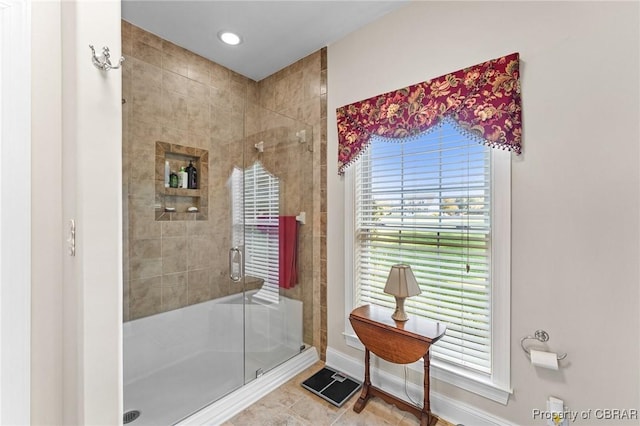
(544, 359)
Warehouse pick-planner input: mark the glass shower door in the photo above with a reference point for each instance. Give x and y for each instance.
(277, 160)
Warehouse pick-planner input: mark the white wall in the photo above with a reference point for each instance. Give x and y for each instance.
(92, 196)
(76, 122)
(576, 189)
(46, 253)
(15, 211)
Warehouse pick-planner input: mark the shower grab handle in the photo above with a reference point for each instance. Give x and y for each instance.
(232, 252)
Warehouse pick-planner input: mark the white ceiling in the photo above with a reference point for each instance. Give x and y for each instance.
(275, 33)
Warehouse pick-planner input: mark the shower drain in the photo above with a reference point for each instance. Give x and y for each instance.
(130, 416)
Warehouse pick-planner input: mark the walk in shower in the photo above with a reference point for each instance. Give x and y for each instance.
(219, 276)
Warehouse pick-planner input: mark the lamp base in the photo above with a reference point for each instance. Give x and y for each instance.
(399, 314)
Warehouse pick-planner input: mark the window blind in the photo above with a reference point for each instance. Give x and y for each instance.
(235, 185)
(425, 201)
(261, 212)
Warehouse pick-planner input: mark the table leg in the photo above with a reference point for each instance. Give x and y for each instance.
(426, 417)
(364, 395)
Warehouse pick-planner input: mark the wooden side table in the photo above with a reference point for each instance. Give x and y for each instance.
(397, 342)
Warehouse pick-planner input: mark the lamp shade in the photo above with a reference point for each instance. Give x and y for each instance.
(401, 282)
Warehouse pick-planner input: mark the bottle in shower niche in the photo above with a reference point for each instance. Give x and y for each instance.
(167, 175)
(183, 178)
(192, 176)
(173, 179)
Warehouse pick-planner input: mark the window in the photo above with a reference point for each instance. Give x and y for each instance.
(431, 202)
(255, 225)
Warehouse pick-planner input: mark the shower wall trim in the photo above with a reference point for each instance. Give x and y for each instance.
(227, 407)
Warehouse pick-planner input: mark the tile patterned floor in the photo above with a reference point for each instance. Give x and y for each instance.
(292, 405)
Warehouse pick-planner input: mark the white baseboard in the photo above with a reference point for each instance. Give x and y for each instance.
(227, 407)
(442, 406)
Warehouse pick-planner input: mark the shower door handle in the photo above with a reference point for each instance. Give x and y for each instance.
(235, 253)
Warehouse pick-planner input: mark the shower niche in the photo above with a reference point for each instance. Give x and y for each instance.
(173, 204)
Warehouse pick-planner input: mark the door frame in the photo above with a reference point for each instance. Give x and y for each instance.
(15, 211)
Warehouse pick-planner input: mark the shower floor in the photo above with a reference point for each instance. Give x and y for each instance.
(177, 391)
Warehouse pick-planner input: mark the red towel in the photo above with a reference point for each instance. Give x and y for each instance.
(288, 246)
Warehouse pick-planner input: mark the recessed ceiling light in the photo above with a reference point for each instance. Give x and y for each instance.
(229, 38)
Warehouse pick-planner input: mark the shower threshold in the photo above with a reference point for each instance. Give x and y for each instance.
(185, 387)
(230, 405)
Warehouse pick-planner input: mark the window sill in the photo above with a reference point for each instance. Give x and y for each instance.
(447, 373)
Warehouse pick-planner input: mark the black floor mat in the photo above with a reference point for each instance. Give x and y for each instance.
(332, 386)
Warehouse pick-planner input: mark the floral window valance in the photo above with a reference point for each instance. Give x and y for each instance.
(483, 100)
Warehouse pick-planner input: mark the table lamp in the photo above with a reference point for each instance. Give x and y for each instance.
(401, 283)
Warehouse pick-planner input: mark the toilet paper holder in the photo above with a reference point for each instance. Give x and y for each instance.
(541, 336)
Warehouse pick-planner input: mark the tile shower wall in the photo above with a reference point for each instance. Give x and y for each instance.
(175, 96)
(300, 91)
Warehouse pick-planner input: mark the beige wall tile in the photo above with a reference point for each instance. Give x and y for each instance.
(174, 255)
(144, 189)
(220, 284)
(236, 105)
(127, 40)
(147, 104)
(198, 69)
(174, 229)
(295, 86)
(201, 229)
(173, 264)
(146, 53)
(220, 77)
(219, 97)
(201, 252)
(141, 228)
(144, 74)
(174, 135)
(174, 291)
(145, 268)
(144, 135)
(125, 29)
(140, 209)
(174, 64)
(198, 288)
(311, 85)
(146, 37)
(140, 169)
(198, 139)
(175, 246)
(267, 96)
(198, 116)
(295, 67)
(198, 92)
(175, 82)
(146, 249)
(145, 297)
(174, 110)
(173, 49)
